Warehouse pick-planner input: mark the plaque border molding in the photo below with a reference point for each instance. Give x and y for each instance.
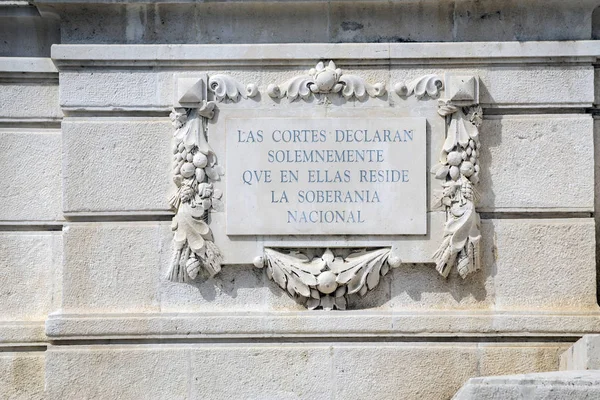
(322, 278)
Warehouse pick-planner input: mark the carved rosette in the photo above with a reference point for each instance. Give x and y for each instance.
(326, 80)
(195, 169)
(325, 281)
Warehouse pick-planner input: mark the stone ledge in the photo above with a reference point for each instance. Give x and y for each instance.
(22, 333)
(27, 65)
(282, 371)
(298, 54)
(311, 324)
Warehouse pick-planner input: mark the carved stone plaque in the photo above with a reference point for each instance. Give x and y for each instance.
(326, 176)
(325, 194)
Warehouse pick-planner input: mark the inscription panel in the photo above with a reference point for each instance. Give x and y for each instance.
(326, 176)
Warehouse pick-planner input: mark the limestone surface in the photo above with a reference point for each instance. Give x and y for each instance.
(572, 385)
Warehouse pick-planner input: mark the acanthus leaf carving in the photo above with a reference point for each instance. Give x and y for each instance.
(325, 281)
(325, 79)
(297, 86)
(225, 88)
(427, 85)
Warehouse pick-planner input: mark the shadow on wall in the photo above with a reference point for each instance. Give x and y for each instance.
(596, 23)
(408, 287)
(24, 33)
(596, 36)
(375, 21)
(487, 196)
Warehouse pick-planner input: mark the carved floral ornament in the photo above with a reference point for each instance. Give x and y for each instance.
(323, 278)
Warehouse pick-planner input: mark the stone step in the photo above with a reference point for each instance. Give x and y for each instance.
(583, 355)
(558, 385)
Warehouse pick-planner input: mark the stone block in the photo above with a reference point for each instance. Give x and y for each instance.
(537, 162)
(402, 371)
(597, 86)
(419, 287)
(336, 22)
(28, 264)
(519, 253)
(597, 182)
(131, 278)
(27, 35)
(584, 354)
(116, 89)
(118, 267)
(29, 100)
(515, 253)
(502, 86)
(262, 372)
(572, 385)
(28, 85)
(31, 175)
(519, 358)
(113, 372)
(381, 22)
(112, 267)
(196, 23)
(271, 370)
(133, 159)
(115, 166)
(22, 375)
(522, 21)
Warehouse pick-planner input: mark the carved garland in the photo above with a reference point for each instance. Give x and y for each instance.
(459, 171)
(195, 169)
(328, 279)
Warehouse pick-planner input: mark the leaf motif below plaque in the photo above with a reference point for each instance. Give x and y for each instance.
(325, 281)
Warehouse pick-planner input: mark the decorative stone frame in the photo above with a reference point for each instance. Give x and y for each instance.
(322, 278)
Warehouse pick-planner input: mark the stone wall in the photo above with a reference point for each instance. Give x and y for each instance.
(85, 244)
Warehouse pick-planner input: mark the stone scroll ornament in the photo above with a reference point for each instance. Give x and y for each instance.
(195, 169)
(325, 80)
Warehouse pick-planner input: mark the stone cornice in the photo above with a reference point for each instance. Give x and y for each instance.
(179, 56)
(27, 67)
